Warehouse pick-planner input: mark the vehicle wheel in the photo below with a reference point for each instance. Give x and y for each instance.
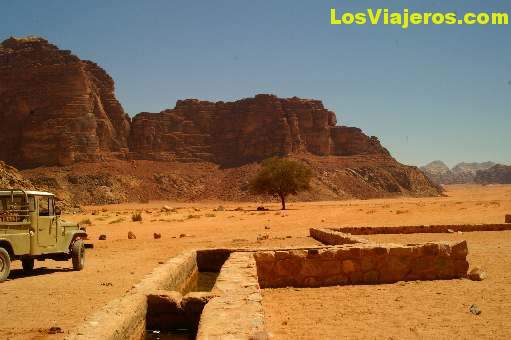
(5, 264)
(28, 264)
(78, 254)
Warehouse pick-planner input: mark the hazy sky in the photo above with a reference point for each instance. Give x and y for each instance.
(427, 92)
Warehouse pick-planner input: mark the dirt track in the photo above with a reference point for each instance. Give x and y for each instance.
(55, 296)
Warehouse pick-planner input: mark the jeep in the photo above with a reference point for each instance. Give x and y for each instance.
(31, 229)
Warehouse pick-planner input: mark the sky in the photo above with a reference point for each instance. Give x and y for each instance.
(428, 92)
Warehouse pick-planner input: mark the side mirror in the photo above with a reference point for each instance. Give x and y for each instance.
(58, 211)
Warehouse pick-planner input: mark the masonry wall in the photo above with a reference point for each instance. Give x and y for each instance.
(361, 264)
(237, 312)
(414, 229)
(332, 237)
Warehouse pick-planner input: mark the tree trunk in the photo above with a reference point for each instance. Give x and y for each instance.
(283, 200)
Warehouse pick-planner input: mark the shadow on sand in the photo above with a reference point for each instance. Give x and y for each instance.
(20, 273)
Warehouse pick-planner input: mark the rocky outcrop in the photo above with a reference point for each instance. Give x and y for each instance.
(497, 174)
(59, 114)
(55, 109)
(12, 178)
(461, 173)
(245, 130)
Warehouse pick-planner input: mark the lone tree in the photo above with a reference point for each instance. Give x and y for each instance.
(281, 177)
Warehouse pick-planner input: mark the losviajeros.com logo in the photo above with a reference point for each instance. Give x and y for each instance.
(407, 18)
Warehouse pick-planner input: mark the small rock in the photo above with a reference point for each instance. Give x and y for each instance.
(55, 330)
(289, 236)
(267, 227)
(185, 235)
(262, 209)
(156, 236)
(477, 274)
(460, 232)
(220, 208)
(238, 209)
(450, 231)
(262, 237)
(475, 310)
(102, 237)
(166, 208)
(131, 235)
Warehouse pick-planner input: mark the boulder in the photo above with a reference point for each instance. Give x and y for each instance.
(477, 274)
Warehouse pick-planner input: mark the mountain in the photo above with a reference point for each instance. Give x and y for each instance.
(461, 173)
(61, 123)
(499, 174)
(56, 109)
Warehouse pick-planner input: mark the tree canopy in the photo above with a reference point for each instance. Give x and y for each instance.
(281, 177)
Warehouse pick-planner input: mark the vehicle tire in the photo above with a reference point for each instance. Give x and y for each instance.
(5, 264)
(78, 254)
(28, 264)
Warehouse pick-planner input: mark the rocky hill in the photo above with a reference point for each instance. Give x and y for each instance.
(461, 173)
(335, 178)
(12, 178)
(59, 117)
(244, 131)
(55, 109)
(499, 174)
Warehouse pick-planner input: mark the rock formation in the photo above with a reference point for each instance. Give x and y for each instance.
(55, 109)
(246, 130)
(461, 173)
(12, 178)
(59, 114)
(498, 174)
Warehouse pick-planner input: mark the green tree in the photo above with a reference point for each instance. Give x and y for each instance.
(281, 177)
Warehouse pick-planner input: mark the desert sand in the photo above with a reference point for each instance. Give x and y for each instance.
(56, 296)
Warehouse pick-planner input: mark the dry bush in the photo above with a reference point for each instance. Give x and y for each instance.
(136, 217)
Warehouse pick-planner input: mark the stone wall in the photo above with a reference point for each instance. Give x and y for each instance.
(417, 229)
(331, 237)
(125, 317)
(362, 264)
(237, 313)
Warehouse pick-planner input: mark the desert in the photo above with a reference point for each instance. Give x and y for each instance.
(289, 312)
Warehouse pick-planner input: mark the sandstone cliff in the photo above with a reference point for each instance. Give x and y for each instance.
(246, 130)
(59, 113)
(55, 109)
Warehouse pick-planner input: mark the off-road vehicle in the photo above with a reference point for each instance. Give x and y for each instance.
(31, 229)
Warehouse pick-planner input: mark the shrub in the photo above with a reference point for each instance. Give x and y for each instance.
(136, 217)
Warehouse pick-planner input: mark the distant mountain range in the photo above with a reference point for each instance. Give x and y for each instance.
(463, 172)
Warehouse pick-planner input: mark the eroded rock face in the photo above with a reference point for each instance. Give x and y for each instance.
(55, 109)
(499, 174)
(245, 130)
